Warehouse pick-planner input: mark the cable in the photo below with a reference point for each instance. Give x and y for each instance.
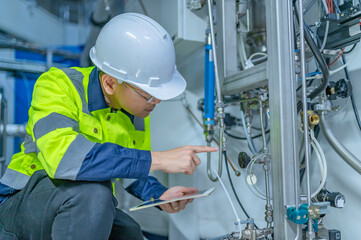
(310, 82)
(346, 64)
(257, 54)
(352, 96)
(309, 7)
(234, 191)
(311, 75)
(321, 61)
(337, 7)
(333, 62)
(353, 47)
(355, 111)
(244, 138)
(226, 192)
(249, 172)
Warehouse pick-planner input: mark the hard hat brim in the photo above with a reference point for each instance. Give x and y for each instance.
(165, 91)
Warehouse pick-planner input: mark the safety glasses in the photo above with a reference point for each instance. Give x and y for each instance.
(149, 99)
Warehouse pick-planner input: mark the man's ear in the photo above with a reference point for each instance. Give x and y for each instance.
(109, 84)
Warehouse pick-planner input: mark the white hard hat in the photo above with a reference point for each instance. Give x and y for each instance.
(135, 49)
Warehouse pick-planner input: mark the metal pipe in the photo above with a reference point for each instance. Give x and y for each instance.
(269, 217)
(347, 156)
(236, 172)
(35, 48)
(262, 126)
(219, 93)
(310, 232)
(3, 120)
(209, 165)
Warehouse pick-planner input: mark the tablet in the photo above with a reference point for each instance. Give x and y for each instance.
(156, 202)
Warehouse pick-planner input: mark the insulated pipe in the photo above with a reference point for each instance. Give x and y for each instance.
(347, 156)
(310, 233)
(219, 94)
(208, 115)
(208, 83)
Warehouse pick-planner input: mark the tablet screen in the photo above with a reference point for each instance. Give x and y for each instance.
(156, 202)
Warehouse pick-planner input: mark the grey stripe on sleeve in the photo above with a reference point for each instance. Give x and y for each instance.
(76, 78)
(52, 122)
(14, 179)
(29, 145)
(73, 158)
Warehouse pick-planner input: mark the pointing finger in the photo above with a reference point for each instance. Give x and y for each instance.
(200, 149)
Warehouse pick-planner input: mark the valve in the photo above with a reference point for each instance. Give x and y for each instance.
(298, 216)
(342, 88)
(243, 159)
(313, 118)
(336, 199)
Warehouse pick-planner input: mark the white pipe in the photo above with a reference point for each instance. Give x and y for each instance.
(238, 220)
(323, 165)
(355, 55)
(327, 26)
(344, 153)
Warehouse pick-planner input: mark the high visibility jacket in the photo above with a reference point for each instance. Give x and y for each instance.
(73, 134)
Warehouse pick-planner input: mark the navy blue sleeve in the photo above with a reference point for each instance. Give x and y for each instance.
(108, 160)
(146, 188)
(6, 192)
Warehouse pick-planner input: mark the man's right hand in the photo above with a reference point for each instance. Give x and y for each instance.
(179, 160)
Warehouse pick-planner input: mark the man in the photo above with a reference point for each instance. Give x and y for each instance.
(90, 125)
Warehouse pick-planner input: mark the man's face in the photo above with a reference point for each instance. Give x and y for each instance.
(130, 98)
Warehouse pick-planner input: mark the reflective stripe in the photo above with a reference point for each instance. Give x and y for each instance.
(14, 179)
(138, 124)
(73, 158)
(76, 78)
(29, 145)
(52, 122)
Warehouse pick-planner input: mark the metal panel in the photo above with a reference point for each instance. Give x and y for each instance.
(282, 91)
(227, 38)
(31, 67)
(247, 79)
(30, 22)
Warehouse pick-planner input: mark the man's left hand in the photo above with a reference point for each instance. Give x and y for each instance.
(176, 192)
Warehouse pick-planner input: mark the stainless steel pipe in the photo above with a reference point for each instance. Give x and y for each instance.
(345, 154)
(219, 101)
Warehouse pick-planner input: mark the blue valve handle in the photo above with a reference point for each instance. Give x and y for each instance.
(299, 216)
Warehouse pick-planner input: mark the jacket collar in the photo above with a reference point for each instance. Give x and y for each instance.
(95, 93)
(96, 96)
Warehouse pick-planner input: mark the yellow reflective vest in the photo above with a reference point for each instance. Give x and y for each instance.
(67, 118)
